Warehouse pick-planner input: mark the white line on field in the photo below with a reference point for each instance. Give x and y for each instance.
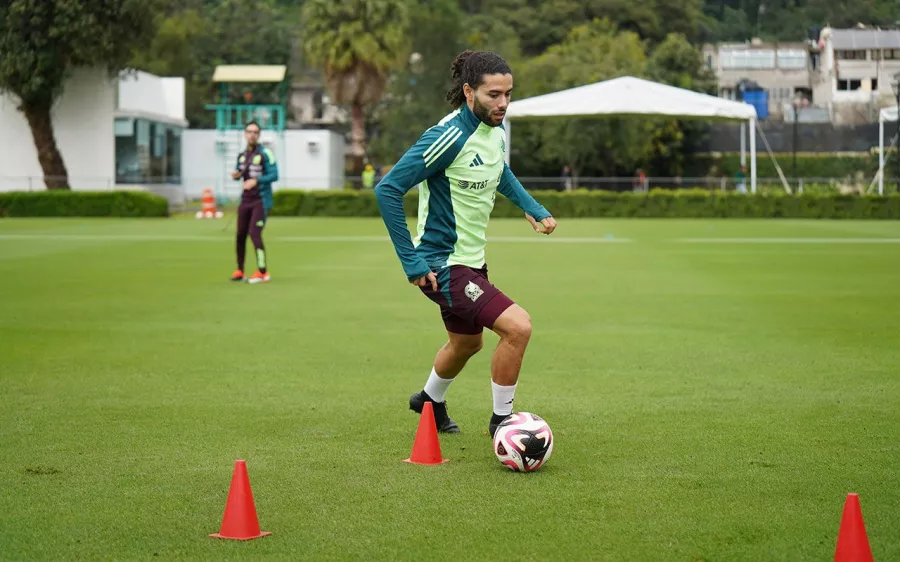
(537, 239)
(194, 238)
(559, 239)
(787, 240)
(114, 237)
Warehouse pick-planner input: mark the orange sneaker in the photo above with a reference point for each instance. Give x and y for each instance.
(238, 275)
(259, 278)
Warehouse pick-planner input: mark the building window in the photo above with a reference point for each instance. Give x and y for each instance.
(792, 59)
(875, 54)
(848, 54)
(709, 62)
(848, 85)
(748, 59)
(173, 155)
(891, 54)
(874, 84)
(147, 152)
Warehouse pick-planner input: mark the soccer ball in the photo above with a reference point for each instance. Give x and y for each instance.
(523, 442)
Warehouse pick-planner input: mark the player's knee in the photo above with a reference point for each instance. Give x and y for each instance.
(519, 327)
(467, 348)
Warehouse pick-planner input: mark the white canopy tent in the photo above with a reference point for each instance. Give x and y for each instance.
(889, 114)
(629, 96)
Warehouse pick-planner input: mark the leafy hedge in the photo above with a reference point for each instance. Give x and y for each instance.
(685, 203)
(809, 165)
(82, 204)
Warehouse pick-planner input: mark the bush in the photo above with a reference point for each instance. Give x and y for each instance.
(809, 165)
(658, 203)
(82, 204)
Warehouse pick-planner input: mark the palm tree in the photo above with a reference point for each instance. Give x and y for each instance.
(356, 43)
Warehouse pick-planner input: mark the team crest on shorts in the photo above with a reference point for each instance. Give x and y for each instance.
(473, 291)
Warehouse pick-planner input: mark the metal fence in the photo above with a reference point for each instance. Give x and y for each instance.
(765, 185)
(180, 191)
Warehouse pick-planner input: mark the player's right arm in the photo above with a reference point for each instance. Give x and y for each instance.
(236, 173)
(432, 153)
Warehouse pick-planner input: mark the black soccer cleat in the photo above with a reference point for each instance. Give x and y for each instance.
(441, 419)
(495, 423)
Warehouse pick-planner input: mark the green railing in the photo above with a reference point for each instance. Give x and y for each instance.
(231, 117)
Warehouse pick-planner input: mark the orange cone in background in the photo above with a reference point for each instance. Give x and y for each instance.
(852, 542)
(208, 209)
(426, 448)
(239, 521)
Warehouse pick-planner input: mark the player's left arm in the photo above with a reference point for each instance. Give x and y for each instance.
(539, 217)
(270, 170)
(238, 168)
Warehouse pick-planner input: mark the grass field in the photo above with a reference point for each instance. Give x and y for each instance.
(716, 388)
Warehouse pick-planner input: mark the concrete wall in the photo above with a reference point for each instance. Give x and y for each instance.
(145, 93)
(308, 159)
(811, 137)
(83, 127)
(779, 78)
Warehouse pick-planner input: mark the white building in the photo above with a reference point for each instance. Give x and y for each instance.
(844, 74)
(149, 123)
(130, 133)
(306, 158)
(111, 133)
(83, 120)
(781, 69)
(855, 72)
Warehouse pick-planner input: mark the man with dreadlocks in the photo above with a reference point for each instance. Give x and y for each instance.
(460, 165)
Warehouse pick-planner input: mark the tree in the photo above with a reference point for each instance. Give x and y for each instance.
(356, 43)
(591, 53)
(174, 51)
(195, 37)
(677, 63)
(414, 99)
(546, 24)
(43, 41)
(883, 13)
(245, 32)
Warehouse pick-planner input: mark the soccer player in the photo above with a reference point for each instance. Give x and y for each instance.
(257, 168)
(460, 164)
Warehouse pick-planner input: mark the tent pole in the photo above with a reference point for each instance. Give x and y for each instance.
(743, 145)
(752, 155)
(881, 153)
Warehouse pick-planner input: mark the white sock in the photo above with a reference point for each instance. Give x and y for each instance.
(503, 398)
(436, 387)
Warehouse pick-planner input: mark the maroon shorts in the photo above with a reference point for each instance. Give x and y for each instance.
(468, 301)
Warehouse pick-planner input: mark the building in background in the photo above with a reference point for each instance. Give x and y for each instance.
(131, 133)
(83, 120)
(310, 105)
(309, 159)
(780, 70)
(842, 76)
(149, 123)
(112, 133)
(853, 79)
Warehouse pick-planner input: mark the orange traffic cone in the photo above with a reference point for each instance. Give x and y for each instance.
(240, 522)
(426, 448)
(852, 543)
(208, 209)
